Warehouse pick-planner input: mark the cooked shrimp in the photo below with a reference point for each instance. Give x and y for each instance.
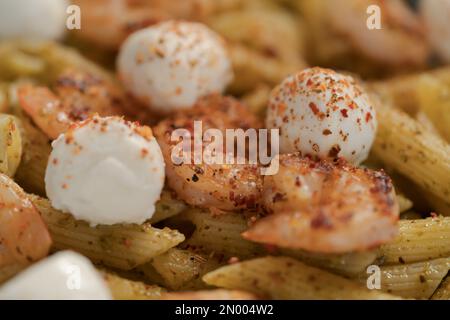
(326, 206)
(401, 40)
(77, 95)
(109, 22)
(215, 186)
(24, 237)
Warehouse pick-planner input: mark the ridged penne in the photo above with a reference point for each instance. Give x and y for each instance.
(425, 92)
(119, 246)
(167, 207)
(36, 150)
(180, 269)
(124, 289)
(287, 278)
(405, 145)
(219, 234)
(416, 280)
(418, 240)
(344, 264)
(222, 235)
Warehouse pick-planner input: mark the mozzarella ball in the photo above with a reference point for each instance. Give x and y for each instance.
(36, 19)
(170, 65)
(436, 14)
(65, 275)
(324, 114)
(106, 171)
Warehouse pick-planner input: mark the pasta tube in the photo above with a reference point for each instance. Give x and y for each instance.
(182, 269)
(10, 144)
(443, 292)
(124, 289)
(405, 145)
(119, 246)
(416, 280)
(418, 240)
(287, 278)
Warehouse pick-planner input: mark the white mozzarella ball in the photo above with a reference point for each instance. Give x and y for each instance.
(323, 113)
(36, 19)
(106, 171)
(65, 275)
(170, 65)
(436, 14)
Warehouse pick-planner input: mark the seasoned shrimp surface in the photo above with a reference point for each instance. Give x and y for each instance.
(220, 186)
(109, 22)
(326, 206)
(76, 96)
(400, 42)
(24, 237)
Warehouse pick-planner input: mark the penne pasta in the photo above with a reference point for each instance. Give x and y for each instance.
(416, 280)
(10, 144)
(405, 145)
(219, 234)
(222, 235)
(287, 278)
(424, 92)
(404, 203)
(343, 264)
(419, 240)
(124, 289)
(181, 269)
(443, 292)
(252, 67)
(118, 246)
(36, 150)
(167, 206)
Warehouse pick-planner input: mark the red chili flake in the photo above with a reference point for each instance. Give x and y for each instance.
(344, 113)
(55, 161)
(314, 108)
(368, 117)
(281, 108)
(334, 151)
(327, 132)
(352, 105)
(144, 152)
(64, 186)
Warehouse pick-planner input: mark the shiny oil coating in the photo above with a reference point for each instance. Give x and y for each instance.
(326, 207)
(218, 186)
